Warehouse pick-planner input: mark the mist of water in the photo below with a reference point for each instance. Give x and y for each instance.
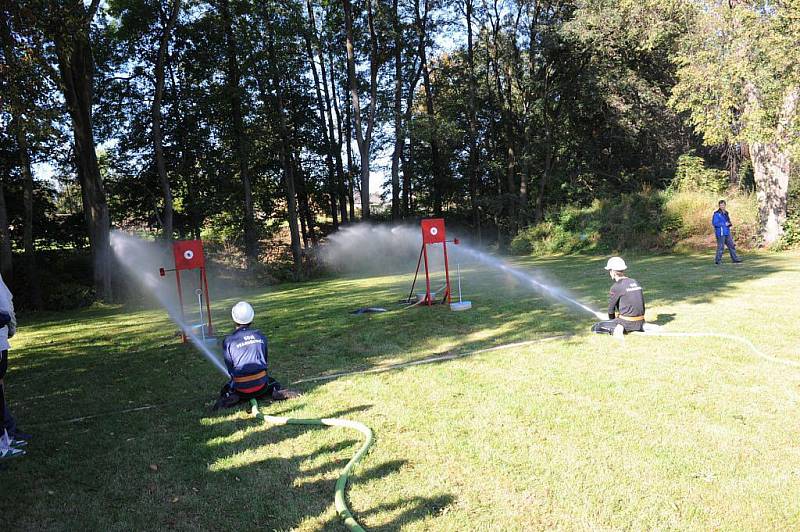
(365, 248)
(141, 260)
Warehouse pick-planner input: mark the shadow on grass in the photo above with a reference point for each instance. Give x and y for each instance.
(103, 360)
(302, 493)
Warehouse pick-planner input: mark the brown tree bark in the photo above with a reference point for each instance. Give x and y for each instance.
(421, 21)
(772, 168)
(234, 94)
(309, 35)
(399, 137)
(285, 151)
(405, 162)
(69, 28)
(158, 146)
(343, 179)
(349, 149)
(472, 162)
(363, 137)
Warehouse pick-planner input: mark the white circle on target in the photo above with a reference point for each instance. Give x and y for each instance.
(188, 254)
(434, 231)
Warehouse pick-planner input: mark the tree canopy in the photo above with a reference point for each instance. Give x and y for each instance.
(242, 119)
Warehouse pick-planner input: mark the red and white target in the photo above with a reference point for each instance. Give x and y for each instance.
(433, 230)
(188, 254)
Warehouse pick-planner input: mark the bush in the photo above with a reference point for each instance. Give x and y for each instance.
(791, 228)
(649, 220)
(67, 296)
(694, 209)
(692, 174)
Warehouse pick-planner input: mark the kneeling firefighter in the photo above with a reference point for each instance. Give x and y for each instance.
(245, 354)
(627, 298)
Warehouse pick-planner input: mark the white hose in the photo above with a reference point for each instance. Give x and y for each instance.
(740, 339)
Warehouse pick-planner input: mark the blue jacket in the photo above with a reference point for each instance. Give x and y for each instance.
(720, 221)
(245, 354)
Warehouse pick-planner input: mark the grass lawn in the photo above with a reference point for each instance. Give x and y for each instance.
(579, 433)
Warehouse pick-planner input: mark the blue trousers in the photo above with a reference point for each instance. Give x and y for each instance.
(723, 241)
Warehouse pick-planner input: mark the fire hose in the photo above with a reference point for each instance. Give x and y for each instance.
(341, 483)
(740, 339)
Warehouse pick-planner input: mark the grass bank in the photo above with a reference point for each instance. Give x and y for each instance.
(652, 220)
(576, 433)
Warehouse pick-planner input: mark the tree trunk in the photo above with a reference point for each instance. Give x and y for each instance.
(472, 164)
(285, 153)
(76, 69)
(405, 163)
(31, 271)
(234, 91)
(436, 166)
(349, 145)
(363, 138)
(399, 137)
(6, 262)
(771, 169)
(288, 179)
(334, 104)
(158, 147)
(310, 35)
(18, 125)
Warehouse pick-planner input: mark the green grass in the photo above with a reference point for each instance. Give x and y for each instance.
(579, 433)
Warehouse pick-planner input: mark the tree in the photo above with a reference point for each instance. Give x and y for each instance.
(67, 23)
(738, 83)
(158, 147)
(363, 137)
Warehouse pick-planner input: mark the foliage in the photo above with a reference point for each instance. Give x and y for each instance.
(632, 221)
(648, 220)
(693, 209)
(791, 229)
(692, 174)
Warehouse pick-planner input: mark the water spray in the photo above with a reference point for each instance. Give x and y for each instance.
(139, 259)
(539, 286)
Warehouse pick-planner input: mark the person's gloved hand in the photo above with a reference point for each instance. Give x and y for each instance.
(11, 331)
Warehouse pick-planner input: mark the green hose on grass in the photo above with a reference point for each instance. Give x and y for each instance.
(341, 483)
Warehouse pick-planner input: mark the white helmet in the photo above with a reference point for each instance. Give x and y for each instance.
(617, 264)
(242, 313)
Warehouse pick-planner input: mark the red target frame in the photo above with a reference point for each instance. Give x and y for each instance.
(433, 232)
(189, 255)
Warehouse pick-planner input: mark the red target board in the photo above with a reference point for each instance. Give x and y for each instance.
(433, 231)
(188, 254)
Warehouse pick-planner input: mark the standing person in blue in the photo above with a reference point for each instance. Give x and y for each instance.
(722, 230)
(245, 353)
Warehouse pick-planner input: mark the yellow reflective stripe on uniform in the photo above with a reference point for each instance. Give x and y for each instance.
(248, 378)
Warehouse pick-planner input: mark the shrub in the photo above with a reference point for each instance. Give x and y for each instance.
(694, 209)
(692, 174)
(791, 228)
(649, 220)
(67, 295)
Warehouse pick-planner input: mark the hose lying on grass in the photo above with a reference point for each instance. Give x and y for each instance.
(740, 339)
(341, 483)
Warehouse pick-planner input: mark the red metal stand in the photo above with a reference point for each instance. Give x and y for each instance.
(433, 232)
(188, 255)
